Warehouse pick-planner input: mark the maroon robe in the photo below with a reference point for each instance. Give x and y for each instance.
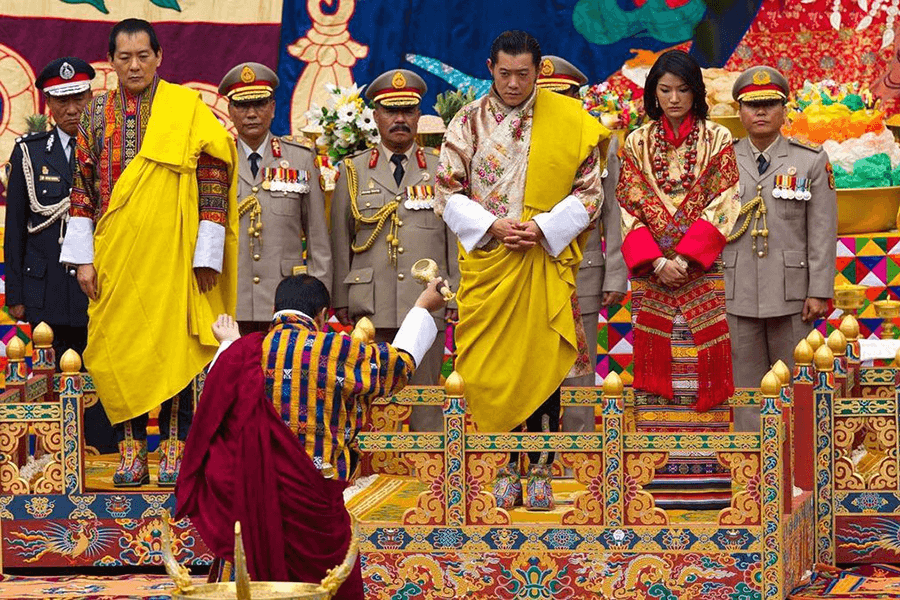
(243, 463)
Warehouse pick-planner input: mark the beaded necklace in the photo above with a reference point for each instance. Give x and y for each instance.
(661, 165)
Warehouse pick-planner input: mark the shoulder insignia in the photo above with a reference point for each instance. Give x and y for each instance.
(830, 170)
(805, 144)
(276, 147)
(294, 142)
(373, 158)
(420, 158)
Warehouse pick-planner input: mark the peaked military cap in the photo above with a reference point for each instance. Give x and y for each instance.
(557, 74)
(760, 83)
(65, 76)
(397, 88)
(249, 81)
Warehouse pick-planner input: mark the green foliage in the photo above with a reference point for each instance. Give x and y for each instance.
(449, 103)
(98, 4)
(37, 123)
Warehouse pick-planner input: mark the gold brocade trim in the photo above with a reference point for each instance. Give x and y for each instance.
(388, 211)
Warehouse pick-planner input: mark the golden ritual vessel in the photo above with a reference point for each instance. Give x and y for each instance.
(864, 210)
(426, 269)
(849, 297)
(244, 589)
(887, 310)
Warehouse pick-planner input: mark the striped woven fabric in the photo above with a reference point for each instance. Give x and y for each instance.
(690, 480)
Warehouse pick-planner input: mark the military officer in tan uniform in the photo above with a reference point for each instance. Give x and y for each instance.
(602, 278)
(780, 259)
(383, 221)
(279, 199)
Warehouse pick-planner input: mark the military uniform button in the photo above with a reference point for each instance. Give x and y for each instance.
(802, 263)
(399, 223)
(400, 250)
(256, 280)
(368, 204)
(590, 262)
(256, 257)
(400, 276)
(254, 189)
(356, 279)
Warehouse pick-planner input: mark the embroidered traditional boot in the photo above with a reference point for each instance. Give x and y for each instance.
(170, 453)
(508, 486)
(538, 489)
(170, 448)
(133, 470)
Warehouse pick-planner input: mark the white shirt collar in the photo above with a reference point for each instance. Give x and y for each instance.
(259, 150)
(767, 152)
(64, 140)
(290, 311)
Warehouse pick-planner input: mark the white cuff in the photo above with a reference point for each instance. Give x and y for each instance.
(222, 348)
(562, 224)
(210, 250)
(78, 246)
(416, 333)
(469, 221)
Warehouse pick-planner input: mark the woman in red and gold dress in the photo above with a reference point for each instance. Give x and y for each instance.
(679, 193)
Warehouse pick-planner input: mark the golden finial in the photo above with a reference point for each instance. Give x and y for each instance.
(824, 359)
(803, 353)
(42, 336)
(837, 343)
(770, 385)
(15, 349)
(815, 339)
(364, 332)
(612, 385)
(455, 387)
(850, 328)
(70, 361)
(782, 371)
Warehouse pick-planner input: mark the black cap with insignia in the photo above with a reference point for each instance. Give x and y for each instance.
(65, 76)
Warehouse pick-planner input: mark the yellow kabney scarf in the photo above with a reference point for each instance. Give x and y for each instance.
(516, 337)
(149, 333)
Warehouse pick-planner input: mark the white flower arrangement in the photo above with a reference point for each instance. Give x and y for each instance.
(347, 124)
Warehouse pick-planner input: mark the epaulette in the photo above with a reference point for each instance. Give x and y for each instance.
(435, 151)
(30, 137)
(806, 144)
(361, 153)
(294, 141)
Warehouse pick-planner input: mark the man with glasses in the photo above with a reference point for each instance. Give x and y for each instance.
(779, 263)
(279, 198)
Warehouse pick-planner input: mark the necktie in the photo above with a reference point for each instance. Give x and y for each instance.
(254, 163)
(761, 164)
(71, 146)
(397, 159)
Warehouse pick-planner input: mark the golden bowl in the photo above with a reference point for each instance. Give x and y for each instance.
(887, 309)
(849, 296)
(733, 123)
(867, 210)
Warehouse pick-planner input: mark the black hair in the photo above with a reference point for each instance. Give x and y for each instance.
(682, 65)
(131, 27)
(515, 42)
(302, 292)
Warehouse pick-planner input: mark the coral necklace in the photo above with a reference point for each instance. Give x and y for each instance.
(661, 165)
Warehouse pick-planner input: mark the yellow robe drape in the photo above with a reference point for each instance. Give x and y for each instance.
(149, 332)
(516, 337)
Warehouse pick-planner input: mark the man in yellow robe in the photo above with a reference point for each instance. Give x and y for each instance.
(152, 230)
(519, 183)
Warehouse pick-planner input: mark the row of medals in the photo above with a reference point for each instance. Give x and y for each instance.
(789, 187)
(277, 182)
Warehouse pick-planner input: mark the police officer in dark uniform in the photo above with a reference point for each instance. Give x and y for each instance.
(38, 287)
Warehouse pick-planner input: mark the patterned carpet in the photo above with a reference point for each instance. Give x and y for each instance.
(148, 587)
(857, 583)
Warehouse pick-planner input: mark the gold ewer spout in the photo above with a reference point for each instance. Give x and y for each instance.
(424, 270)
(244, 589)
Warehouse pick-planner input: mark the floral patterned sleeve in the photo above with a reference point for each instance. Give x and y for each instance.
(456, 158)
(588, 183)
